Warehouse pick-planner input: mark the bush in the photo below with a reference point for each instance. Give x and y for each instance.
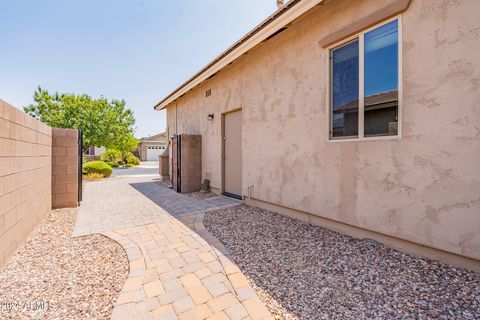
(131, 159)
(111, 156)
(94, 176)
(98, 167)
(129, 165)
(113, 164)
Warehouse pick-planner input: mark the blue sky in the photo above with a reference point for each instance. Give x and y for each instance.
(137, 50)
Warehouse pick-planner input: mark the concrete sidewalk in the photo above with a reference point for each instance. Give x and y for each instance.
(146, 168)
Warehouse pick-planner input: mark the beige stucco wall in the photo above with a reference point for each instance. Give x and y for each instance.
(424, 187)
(25, 177)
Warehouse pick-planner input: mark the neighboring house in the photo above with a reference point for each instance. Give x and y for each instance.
(361, 116)
(149, 149)
(93, 153)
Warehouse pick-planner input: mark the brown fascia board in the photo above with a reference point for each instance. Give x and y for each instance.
(270, 21)
(276, 23)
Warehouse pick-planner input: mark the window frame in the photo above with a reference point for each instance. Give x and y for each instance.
(361, 94)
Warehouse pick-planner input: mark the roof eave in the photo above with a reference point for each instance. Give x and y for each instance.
(281, 18)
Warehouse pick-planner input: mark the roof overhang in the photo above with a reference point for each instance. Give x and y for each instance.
(280, 19)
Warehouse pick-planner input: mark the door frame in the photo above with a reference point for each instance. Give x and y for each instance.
(222, 153)
(176, 157)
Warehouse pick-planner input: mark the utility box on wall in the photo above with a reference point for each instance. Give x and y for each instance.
(187, 163)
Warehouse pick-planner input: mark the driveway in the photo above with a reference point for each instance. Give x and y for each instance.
(178, 270)
(146, 168)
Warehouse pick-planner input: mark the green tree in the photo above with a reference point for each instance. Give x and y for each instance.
(127, 143)
(103, 122)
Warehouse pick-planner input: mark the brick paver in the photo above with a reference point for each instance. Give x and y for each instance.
(129, 201)
(178, 270)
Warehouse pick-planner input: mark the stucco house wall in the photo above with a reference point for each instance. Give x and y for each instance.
(423, 188)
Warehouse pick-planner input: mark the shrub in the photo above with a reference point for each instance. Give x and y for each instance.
(98, 167)
(111, 156)
(94, 176)
(113, 164)
(129, 165)
(131, 159)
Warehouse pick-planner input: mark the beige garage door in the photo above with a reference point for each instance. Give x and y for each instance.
(233, 154)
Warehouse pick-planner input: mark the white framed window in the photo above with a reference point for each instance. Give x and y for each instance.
(364, 94)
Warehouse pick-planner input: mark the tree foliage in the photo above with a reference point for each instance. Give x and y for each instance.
(103, 122)
(125, 144)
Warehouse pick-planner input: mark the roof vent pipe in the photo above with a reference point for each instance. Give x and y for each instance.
(279, 4)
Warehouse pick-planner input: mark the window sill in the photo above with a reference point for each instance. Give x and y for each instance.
(397, 137)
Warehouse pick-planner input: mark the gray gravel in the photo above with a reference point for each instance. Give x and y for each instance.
(55, 276)
(307, 272)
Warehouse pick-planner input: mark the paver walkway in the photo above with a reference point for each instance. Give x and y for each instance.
(178, 270)
(122, 202)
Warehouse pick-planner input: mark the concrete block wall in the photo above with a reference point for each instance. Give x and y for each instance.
(25, 177)
(64, 168)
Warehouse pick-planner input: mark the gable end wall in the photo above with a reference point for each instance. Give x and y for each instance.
(422, 188)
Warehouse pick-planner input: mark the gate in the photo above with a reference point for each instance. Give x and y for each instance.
(176, 161)
(80, 164)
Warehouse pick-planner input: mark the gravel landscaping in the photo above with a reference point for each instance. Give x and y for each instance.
(199, 195)
(55, 276)
(307, 272)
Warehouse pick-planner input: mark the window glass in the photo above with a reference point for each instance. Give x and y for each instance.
(381, 80)
(344, 115)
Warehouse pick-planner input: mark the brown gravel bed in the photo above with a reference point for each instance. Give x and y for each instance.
(60, 276)
(307, 272)
(201, 195)
(196, 195)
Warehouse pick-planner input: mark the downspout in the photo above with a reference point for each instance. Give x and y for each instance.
(176, 121)
(176, 135)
